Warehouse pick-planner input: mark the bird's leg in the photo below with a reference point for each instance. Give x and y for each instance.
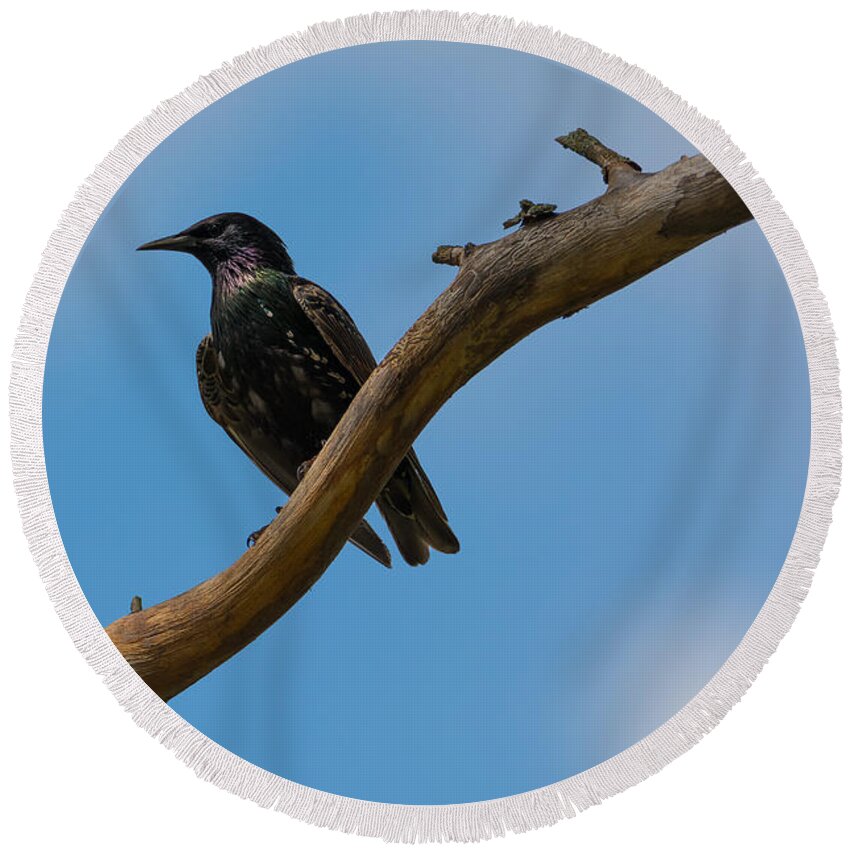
(302, 469)
(254, 536)
(299, 474)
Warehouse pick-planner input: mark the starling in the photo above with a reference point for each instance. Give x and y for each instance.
(282, 364)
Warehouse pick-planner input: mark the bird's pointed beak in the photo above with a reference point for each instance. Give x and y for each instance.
(178, 242)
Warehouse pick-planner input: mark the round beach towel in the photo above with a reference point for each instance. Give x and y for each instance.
(431, 432)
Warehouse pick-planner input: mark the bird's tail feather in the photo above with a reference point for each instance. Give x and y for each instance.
(407, 535)
(428, 511)
(366, 539)
(415, 517)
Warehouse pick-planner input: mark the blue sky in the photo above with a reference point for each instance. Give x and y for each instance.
(625, 484)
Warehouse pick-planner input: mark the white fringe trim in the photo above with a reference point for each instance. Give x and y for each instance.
(467, 821)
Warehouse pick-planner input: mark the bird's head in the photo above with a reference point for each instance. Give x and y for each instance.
(228, 241)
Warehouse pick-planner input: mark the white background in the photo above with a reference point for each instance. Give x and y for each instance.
(77, 76)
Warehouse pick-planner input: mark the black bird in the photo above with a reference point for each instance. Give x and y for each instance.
(281, 366)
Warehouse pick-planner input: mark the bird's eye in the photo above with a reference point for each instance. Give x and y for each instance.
(209, 230)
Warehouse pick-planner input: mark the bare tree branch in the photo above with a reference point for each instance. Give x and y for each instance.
(617, 170)
(452, 255)
(504, 290)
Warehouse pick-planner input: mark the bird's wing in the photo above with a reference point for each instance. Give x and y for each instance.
(225, 405)
(408, 503)
(259, 439)
(209, 383)
(336, 327)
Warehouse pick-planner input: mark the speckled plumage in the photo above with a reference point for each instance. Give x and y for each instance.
(280, 367)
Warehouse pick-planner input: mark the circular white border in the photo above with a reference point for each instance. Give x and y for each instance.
(394, 822)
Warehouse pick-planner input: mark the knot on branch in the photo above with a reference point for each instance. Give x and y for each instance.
(452, 255)
(530, 212)
(611, 162)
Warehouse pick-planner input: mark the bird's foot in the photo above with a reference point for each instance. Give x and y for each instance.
(254, 536)
(302, 470)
